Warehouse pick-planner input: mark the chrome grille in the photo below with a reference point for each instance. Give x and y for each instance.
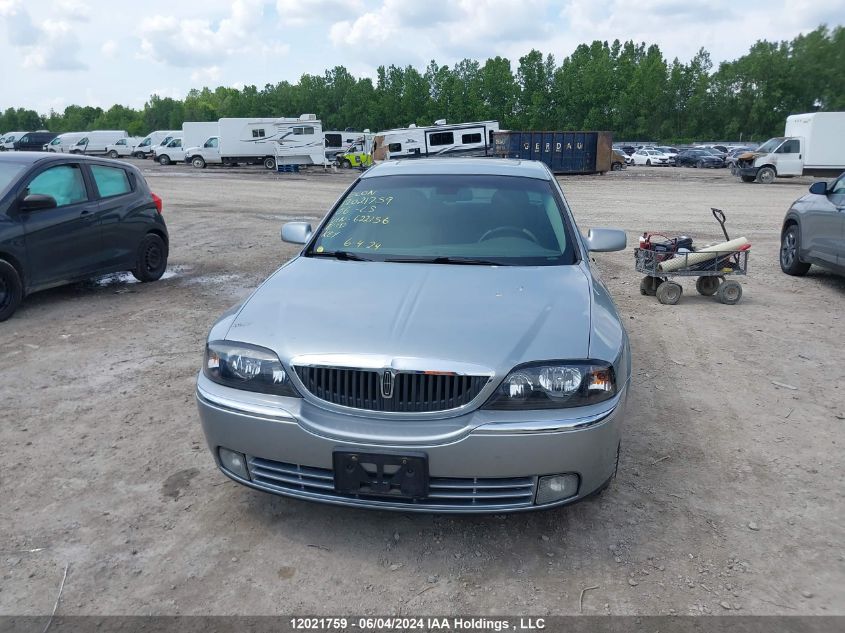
(512, 492)
(413, 392)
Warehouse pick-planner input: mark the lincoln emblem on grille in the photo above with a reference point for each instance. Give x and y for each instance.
(387, 380)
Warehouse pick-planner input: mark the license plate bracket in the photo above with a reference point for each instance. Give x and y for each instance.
(381, 474)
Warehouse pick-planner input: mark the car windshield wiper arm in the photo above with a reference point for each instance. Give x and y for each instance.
(467, 261)
(345, 255)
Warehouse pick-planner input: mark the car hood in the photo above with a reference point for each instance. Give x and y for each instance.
(492, 317)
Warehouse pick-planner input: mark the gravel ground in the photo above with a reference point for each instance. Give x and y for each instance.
(729, 496)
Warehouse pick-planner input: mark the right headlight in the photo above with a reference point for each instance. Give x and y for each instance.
(248, 367)
(554, 386)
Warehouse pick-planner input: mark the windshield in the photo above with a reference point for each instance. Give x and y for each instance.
(436, 218)
(770, 145)
(8, 173)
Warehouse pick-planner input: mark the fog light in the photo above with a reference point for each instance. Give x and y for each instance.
(234, 462)
(556, 488)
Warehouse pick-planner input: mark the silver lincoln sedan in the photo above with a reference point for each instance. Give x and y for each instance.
(441, 343)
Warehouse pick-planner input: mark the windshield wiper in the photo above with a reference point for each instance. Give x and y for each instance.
(467, 261)
(344, 255)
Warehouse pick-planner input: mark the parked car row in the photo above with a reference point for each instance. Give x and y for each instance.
(685, 156)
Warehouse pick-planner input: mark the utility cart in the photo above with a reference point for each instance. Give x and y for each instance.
(662, 260)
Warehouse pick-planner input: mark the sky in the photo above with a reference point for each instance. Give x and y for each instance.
(100, 52)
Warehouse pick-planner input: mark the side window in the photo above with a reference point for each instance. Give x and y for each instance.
(333, 140)
(792, 146)
(212, 142)
(111, 181)
(839, 186)
(24, 138)
(259, 133)
(63, 182)
(121, 142)
(395, 147)
(467, 139)
(441, 138)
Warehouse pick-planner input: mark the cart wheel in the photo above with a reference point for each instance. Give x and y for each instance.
(730, 292)
(707, 286)
(669, 293)
(648, 286)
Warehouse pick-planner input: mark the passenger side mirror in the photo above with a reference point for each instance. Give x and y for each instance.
(819, 188)
(37, 202)
(296, 232)
(606, 240)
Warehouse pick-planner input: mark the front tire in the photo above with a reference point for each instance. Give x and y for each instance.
(789, 259)
(730, 292)
(151, 260)
(766, 176)
(747, 178)
(669, 293)
(164, 160)
(198, 162)
(11, 290)
(113, 154)
(649, 285)
(269, 163)
(616, 167)
(648, 163)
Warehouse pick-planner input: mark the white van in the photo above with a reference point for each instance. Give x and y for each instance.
(173, 152)
(9, 139)
(95, 142)
(152, 140)
(122, 147)
(63, 142)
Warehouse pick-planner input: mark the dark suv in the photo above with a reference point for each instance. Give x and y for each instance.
(66, 218)
(33, 141)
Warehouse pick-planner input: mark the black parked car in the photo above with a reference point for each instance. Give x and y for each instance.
(698, 158)
(33, 141)
(66, 218)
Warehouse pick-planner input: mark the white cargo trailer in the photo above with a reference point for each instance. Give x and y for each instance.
(291, 141)
(440, 139)
(812, 145)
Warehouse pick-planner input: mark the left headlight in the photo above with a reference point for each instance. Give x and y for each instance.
(248, 367)
(554, 386)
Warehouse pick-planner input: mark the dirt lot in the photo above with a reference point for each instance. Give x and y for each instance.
(729, 496)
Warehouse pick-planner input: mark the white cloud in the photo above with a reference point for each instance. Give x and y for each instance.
(192, 42)
(75, 10)
(48, 45)
(109, 48)
(209, 74)
(299, 12)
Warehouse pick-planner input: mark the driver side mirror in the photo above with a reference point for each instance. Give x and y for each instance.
(37, 202)
(296, 232)
(606, 240)
(819, 188)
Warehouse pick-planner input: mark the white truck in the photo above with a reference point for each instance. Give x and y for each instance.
(196, 133)
(173, 152)
(9, 138)
(812, 145)
(440, 139)
(122, 147)
(63, 142)
(149, 142)
(95, 142)
(266, 141)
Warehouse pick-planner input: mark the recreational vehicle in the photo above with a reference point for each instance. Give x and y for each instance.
(145, 147)
(63, 142)
(440, 139)
(173, 152)
(123, 147)
(291, 141)
(95, 142)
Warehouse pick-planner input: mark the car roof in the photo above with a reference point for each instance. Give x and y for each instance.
(461, 166)
(31, 158)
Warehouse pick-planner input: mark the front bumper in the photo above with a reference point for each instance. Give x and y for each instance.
(484, 466)
(736, 170)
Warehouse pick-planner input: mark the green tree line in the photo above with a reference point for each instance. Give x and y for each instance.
(630, 89)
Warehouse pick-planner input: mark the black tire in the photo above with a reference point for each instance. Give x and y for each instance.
(269, 163)
(151, 260)
(707, 286)
(138, 155)
(648, 163)
(113, 154)
(345, 164)
(730, 292)
(790, 263)
(747, 178)
(669, 293)
(198, 162)
(11, 290)
(164, 159)
(616, 167)
(700, 164)
(648, 286)
(766, 175)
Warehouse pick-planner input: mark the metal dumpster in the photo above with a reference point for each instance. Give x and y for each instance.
(563, 152)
